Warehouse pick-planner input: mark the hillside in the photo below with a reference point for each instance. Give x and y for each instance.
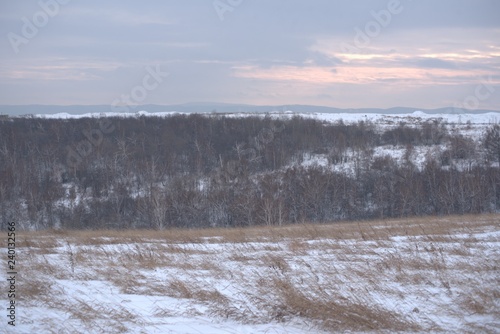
(407, 276)
(164, 170)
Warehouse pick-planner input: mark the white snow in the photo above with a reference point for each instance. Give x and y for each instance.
(456, 118)
(215, 285)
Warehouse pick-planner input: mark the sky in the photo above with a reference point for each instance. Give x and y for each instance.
(345, 54)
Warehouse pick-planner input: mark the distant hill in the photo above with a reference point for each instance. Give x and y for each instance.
(205, 107)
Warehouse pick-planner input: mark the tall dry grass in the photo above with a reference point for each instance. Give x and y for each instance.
(343, 277)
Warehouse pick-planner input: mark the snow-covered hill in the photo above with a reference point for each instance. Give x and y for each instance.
(380, 118)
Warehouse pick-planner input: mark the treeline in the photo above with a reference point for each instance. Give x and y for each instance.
(200, 171)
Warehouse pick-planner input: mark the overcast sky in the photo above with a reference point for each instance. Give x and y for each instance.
(346, 54)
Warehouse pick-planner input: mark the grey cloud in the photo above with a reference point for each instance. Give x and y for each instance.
(200, 50)
(435, 63)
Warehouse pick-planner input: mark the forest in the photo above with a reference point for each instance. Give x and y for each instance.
(196, 171)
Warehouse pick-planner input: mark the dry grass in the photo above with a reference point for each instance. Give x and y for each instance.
(343, 277)
(369, 230)
(335, 312)
(31, 288)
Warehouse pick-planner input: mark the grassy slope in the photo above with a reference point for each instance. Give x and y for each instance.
(419, 274)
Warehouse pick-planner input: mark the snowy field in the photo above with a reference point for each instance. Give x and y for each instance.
(417, 116)
(418, 275)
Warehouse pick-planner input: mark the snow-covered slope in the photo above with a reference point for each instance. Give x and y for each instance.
(485, 118)
(407, 276)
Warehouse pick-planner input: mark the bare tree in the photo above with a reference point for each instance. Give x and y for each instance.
(491, 142)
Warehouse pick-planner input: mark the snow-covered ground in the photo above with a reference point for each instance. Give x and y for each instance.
(417, 116)
(457, 118)
(420, 275)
